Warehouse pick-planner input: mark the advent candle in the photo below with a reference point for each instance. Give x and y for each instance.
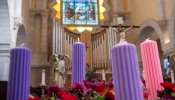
(43, 77)
(64, 80)
(78, 62)
(19, 75)
(172, 77)
(152, 67)
(103, 76)
(143, 75)
(126, 72)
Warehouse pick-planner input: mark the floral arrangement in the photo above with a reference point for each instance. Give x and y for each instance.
(93, 89)
(168, 93)
(145, 93)
(145, 90)
(35, 98)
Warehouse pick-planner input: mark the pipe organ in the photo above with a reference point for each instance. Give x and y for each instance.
(63, 40)
(101, 43)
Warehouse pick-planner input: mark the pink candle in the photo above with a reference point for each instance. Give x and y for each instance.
(152, 67)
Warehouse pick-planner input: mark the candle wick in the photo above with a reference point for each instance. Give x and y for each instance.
(22, 44)
(148, 39)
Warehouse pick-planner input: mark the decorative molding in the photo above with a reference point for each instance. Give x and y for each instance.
(5, 54)
(4, 45)
(18, 21)
(41, 65)
(35, 11)
(169, 52)
(44, 14)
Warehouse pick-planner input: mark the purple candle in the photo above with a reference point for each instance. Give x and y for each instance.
(126, 72)
(78, 62)
(19, 76)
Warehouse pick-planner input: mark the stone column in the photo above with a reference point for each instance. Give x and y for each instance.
(4, 60)
(161, 9)
(63, 40)
(121, 6)
(44, 33)
(38, 4)
(17, 20)
(31, 40)
(17, 23)
(118, 7)
(44, 4)
(17, 8)
(114, 7)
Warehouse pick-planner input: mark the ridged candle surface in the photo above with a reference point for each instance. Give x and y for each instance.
(19, 76)
(152, 67)
(125, 72)
(78, 62)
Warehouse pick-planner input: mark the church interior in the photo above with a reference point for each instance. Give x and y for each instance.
(60, 42)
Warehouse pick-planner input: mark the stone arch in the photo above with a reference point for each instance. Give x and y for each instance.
(21, 36)
(150, 29)
(153, 29)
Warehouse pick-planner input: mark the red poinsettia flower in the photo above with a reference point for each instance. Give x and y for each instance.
(77, 85)
(145, 95)
(100, 87)
(108, 92)
(168, 85)
(35, 98)
(52, 89)
(66, 96)
(92, 85)
(60, 93)
(165, 84)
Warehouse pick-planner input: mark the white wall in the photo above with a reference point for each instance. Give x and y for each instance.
(4, 23)
(4, 40)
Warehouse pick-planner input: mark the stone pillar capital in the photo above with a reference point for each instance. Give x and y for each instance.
(18, 21)
(32, 14)
(44, 15)
(44, 32)
(163, 25)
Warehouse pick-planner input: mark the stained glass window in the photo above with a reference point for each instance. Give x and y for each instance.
(80, 12)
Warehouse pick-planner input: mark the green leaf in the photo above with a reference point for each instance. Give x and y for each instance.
(102, 98)
(173, 94)
(52, 98)
(99, 97)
